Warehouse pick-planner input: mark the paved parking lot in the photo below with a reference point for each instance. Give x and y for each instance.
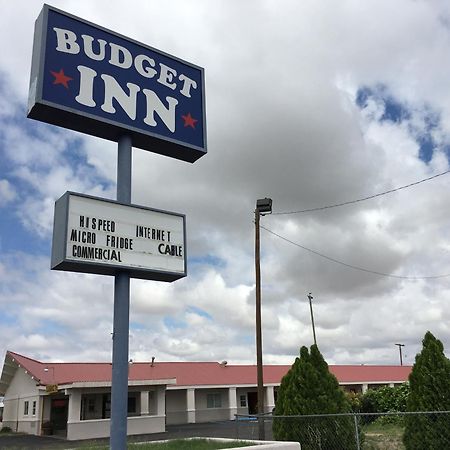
(227, 429)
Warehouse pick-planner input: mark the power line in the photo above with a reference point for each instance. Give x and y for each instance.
(352, 266)
(390, 191)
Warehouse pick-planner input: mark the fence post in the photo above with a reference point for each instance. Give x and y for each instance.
(358, 445)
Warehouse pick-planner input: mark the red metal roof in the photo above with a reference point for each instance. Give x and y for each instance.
(198, 373)
(374, 374)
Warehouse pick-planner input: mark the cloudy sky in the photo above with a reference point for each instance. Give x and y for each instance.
(309, 103)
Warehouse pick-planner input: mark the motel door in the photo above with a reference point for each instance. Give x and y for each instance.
(252, 398)
(59, 413)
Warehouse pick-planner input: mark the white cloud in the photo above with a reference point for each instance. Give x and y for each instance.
(7, 193)
(281, 86)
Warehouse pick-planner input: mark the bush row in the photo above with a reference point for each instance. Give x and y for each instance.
(381, 400)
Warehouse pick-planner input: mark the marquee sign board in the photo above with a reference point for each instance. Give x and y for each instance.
(93, 80)
(51, 388)
(95, 235)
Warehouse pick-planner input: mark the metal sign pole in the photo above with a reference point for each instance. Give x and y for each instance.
(119, 387)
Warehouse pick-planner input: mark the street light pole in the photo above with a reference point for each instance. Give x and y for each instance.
(310, 297)
(400, 350)
(262, 206)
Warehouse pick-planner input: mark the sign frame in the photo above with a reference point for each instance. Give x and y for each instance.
(59, 260)
(92, 124)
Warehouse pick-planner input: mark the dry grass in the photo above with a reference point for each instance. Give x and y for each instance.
(385, 437)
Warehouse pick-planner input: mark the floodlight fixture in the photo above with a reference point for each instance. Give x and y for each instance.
(264, 205)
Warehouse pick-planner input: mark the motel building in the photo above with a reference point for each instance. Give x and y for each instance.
(73, 400)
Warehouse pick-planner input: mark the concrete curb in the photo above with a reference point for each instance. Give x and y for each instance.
(259, 445)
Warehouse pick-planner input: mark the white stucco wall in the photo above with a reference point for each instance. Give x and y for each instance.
(205, 414)
(21, 389)
(176, 406)
(92, 429)
(239, 392)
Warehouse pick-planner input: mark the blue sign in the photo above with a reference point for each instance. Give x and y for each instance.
(90, 79)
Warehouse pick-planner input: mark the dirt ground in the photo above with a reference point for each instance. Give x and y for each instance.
(379, 441)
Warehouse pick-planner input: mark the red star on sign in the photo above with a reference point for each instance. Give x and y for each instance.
(61, 78)
(189, 121)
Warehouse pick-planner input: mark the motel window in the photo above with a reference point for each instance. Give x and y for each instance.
(25, 408)
(106, 406)
(131, 405)
(91, 404)
(243, 401)
(33, 408)
(214, 401)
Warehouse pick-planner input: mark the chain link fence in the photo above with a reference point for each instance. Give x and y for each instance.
(354, 431)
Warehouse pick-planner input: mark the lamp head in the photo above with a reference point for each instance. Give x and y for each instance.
(264, 205)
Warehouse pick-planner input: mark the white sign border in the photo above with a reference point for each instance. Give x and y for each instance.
(59, 260)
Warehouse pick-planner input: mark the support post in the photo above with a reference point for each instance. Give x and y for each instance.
(259, 362)
(310, 297)
(232, 402)
(270, 398)
(145, 411)
(119, 387)
(161, 401)
(74, 406)
(358, 443)
(190, 402)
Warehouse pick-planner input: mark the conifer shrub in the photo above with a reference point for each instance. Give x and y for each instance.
(310, 389)
(429, 391)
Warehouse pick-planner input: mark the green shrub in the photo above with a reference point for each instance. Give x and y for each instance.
(6, 430)
(355, 401)
(309, 389)
(385, 399)
(390, 420)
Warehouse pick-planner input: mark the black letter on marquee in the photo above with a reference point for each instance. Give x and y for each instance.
(73, 235)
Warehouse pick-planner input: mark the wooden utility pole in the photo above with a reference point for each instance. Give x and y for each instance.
(259, 362)
(310, 297)
(262, 206)
(400, 350)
